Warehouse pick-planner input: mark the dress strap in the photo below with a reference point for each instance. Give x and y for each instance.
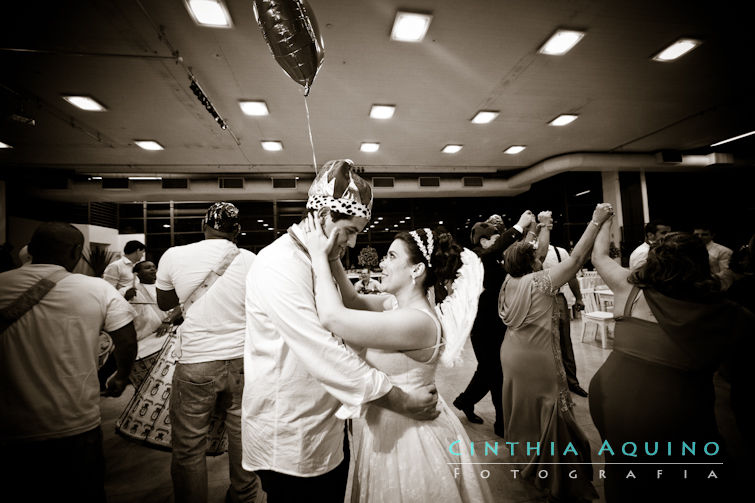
(439, 341)
(630, 300)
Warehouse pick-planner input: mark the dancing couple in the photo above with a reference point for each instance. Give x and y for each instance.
(317, 353)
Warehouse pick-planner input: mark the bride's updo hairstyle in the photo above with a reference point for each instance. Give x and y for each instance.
(444, 260)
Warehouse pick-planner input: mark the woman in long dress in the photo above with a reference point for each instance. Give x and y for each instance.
(397, 458)
(537, 408)
(656, 388)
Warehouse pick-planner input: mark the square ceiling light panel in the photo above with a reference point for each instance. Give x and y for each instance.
(452, 149)
(563, 120)
(85, 103)
(485, 116)
(272, 145)
(254, 108)
(677, 49)
(561, 42)
(149, 145)
(212, 13)
(410, 26)
(514, 149)
(382, 111)
(369, 146)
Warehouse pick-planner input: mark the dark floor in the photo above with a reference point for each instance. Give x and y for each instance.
(139, 474)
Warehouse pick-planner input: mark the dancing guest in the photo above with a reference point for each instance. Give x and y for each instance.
(50, 398)
(208, 279)
(151, 323)
(489, 239)
(120, 273)
(400, 459)
(673, 328)
(654, 231)
(536, 401)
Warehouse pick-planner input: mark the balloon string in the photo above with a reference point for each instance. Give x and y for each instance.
(311, 142)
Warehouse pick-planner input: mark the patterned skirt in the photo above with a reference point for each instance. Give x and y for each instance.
(146, 417)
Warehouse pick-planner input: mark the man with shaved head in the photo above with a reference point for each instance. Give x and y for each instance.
(50, 321)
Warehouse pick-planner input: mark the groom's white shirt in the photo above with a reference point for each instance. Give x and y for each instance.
(298, 378)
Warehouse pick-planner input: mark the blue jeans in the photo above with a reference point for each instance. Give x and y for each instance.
(198, 389)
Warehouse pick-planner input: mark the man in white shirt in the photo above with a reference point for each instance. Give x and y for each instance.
(718, 256)
(654, 231)
(50, 396)
(208, 279)
(555, 255)
(301, 380)
(119, 273)
(151, 322)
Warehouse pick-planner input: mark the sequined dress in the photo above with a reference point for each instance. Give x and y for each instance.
(398, 459)
(537, 408)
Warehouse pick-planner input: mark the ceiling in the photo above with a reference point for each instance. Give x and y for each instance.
(135, 57)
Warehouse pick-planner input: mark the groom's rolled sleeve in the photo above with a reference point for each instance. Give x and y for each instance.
(291, 308)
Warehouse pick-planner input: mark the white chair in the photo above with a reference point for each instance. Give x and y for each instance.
(594, 316)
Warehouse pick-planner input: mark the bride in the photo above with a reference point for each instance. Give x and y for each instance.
(398, 458)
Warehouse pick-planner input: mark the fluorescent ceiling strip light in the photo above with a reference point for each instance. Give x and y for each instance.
(563, 120)
(452, 149)
(410, 26)
(149, 145)
(514, 149)
(677, 49)
(4, 145)
(254, 108)
(382, 111)
(145, 178)
(212, 13)
(369, 147)
(272, 145)
(733, 139)
(561, 42)
(85, 103)
(485, 116)
(582, 193)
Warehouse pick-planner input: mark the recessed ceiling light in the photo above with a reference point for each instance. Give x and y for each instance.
(484, 116)
(145, 178)
(380, 218)
(149, 144)
(4, 145)
(514, 149)
(382, 111)
(212, 13)
(410, 26)
(561, 42)
(677, 49)
(85, 103)
(563, 120)
(257, 108)
(451, 149)
(733, 139)
(369, 146)
(440, 222)
(272, 146)
(260, 221)
(166, 226)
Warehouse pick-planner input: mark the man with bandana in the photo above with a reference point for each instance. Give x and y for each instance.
(208, 280)
(301, 380)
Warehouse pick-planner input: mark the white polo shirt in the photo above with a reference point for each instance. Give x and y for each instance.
(48, 361)
(215, 325)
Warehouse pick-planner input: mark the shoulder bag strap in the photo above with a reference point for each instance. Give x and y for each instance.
(203, 288)
(30, 298)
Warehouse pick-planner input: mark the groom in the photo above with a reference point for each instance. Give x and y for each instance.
(301, 381)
